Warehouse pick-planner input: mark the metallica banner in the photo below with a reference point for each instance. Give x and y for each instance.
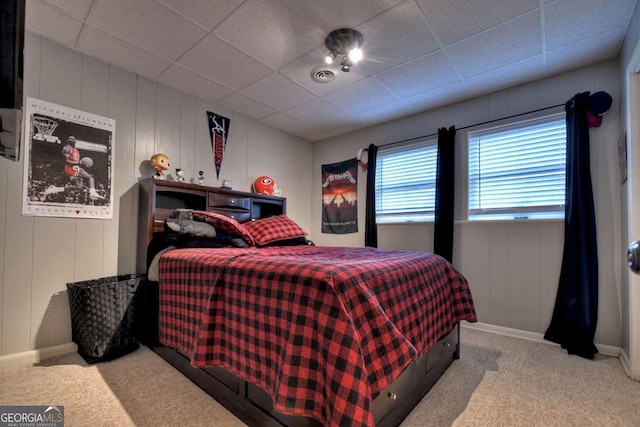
(339, 201)
(218, 130)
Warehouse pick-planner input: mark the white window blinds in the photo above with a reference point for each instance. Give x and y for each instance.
(406, 182)
(518, 171)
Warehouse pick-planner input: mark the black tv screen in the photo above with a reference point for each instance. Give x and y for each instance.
(11, 52)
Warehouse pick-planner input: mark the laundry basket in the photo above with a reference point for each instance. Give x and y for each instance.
(102, 317)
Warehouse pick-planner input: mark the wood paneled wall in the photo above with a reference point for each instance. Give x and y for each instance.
(38, 256)
(513, 267)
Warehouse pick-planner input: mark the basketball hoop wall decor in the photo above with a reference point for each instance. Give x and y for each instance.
(68, 169)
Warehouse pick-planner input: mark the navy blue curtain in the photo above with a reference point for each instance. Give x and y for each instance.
(445, 176)
(575, 314)
(370, 226)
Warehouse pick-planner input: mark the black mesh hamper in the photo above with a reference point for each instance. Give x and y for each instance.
(102, 317)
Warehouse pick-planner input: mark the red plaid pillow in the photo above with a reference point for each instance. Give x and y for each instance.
(224, 223)
(272, 229)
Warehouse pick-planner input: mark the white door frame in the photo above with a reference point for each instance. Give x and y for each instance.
(630, 354)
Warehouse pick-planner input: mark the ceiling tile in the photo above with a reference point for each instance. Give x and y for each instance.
(362, 96)
(398, 35)
(256, 56)
(270, 32)
(329, 15)
(563, 25)
(422, 74)
(320, 113)
(77, 8)
(189, 82)
(122, 19)
(518, 39)
(48, 21)
(523, 71)
(433, 98)
(278, 92)
(114, 51)
(216, 60)
(249, 107)
(600, 47)
(455, 20)
(317, 134)
(382, 113)
(300, 72)
(205, 13)
(286, 123)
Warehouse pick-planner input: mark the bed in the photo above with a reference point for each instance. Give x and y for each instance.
(283, 332)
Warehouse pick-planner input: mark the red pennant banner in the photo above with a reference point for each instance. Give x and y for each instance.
(218, 131)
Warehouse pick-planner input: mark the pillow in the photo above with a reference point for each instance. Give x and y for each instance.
(224, 224)
(191, 228)
(229, 240)
(296, 241)
(272, 229)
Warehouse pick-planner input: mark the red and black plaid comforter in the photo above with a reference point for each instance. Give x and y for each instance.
(321, 329)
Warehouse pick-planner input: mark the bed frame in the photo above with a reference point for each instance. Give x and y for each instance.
(252, 405)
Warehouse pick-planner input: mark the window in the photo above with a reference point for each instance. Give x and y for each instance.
(406, 182)
(518, 171)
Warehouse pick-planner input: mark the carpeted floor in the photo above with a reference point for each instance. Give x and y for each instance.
(498, 381)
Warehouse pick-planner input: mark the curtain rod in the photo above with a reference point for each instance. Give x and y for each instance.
(474, 125)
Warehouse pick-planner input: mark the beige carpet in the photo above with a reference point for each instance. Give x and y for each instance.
(499, 381)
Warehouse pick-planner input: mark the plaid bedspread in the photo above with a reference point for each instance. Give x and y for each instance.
(323, 330)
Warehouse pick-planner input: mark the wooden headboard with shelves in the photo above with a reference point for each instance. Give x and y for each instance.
(158, 198)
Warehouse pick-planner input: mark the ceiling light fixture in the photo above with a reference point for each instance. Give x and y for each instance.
(330, 57)
(345, 64)
(347, 42)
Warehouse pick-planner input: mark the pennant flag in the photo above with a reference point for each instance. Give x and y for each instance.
(218, 131)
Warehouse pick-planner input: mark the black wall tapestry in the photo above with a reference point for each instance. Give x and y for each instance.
(339, 197)
(575, 313)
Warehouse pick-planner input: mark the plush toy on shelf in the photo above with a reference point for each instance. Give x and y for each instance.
(201, 177)
(160, 163)
(179, 175)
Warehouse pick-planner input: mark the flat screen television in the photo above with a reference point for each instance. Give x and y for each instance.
(11, 52)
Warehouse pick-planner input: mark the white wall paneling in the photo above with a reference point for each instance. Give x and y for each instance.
(54, 256)
(513, 267)
(122, 108)
(186, 161)
(40, 255)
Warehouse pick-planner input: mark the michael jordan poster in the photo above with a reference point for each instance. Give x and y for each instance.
(68, 164)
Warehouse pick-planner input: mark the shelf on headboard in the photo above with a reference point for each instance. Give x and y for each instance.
(158, 198)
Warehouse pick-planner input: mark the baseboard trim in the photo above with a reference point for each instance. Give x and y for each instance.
(626, 363)
(35, 356)
(607, 350)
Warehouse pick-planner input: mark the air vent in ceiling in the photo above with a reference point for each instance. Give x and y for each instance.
(323, 74)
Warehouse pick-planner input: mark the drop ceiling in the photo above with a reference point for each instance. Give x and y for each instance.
(256, 57)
